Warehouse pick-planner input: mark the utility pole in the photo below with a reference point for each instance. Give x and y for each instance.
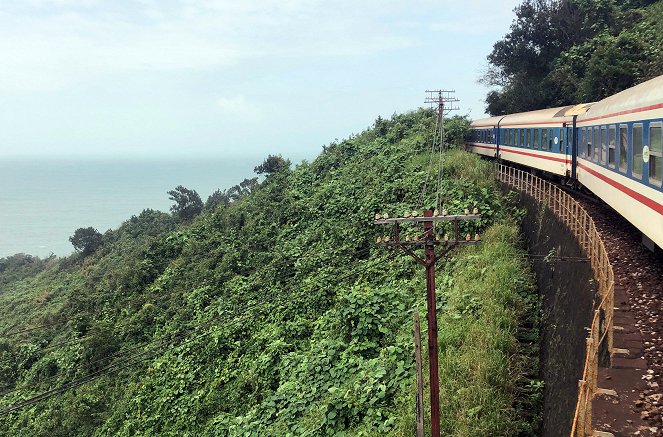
(444, 102)
(429, 240)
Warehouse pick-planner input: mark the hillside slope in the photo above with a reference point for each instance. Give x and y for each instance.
(275, 314)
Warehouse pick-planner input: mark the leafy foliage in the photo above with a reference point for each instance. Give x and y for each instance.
(272, 312)
(86, 240)
(560, 52)
(272, 164)
(187, 202)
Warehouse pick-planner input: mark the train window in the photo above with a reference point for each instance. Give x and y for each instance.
(562, 146)
(611, 146)
(604, 144)
(536, 139)
(589, 143)
(528, 138)
(637, 150)
(597, 143)
(623, 147)
(509, 137)
(550, 139)
(544, 139)
(522, 138)
(655, 154)
(583, 142)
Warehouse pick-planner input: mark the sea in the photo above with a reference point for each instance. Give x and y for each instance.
(44, 200)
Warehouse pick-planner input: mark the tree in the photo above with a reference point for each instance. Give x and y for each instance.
(86, 240)
(455, 130)
(272, 164)
(219, 197)
(187, 203)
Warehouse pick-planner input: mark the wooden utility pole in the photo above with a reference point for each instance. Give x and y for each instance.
(420, 384)
(429, 240)
(445, 104)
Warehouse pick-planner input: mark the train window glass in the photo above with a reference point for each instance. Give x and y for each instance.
(583, 141)
(509, 136)
(596, 140)
(611, 146)
(536, 138)
(550, 139)
(623, 148)
(544, 139)
(522, 138)
(589, 143)
(604, 144)
(562, 147)
(655, 154)
(637, 150)
(527, 138)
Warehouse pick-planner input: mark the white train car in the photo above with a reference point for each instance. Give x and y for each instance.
(620, 155)
(538, 139)
(483, 139)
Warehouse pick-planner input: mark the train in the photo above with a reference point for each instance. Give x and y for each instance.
(613, 148)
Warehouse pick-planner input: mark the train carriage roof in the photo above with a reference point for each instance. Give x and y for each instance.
(648, 95)
(486, 122)
(540, 117)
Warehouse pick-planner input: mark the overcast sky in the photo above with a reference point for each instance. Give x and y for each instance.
(228, 78)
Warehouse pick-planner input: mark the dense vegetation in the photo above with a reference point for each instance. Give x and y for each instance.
(561, 52)
(271, 311)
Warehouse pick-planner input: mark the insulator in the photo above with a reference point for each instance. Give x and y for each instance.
(446, 237)
(467, 211)
(476, 237)
(436, 213)
(467, 237)
(378, 240)
(407, 237)
(415, 213)
(444, 212)
(378, 216)
(385, 215)
(437, 237)
(406, 214)
(475, 211)
(386, 238)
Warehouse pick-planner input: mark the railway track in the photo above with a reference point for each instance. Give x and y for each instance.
(639, 272)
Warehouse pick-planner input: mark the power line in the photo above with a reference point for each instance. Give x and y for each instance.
(131, 360)
(80, 316)
(138, 346)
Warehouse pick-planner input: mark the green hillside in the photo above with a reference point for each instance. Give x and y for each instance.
(273, 313)
(562, 52)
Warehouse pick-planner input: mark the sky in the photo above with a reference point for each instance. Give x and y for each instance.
(218, 78)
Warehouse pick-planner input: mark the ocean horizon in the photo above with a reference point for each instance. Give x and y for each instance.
(44, 200)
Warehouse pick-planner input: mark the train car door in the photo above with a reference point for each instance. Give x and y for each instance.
(572, 139)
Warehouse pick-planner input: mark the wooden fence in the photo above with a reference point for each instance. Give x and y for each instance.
(581, 224)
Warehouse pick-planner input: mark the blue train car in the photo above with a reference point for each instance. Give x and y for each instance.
(613, 147)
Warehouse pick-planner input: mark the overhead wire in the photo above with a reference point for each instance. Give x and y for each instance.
(131, 360)
(430, 164)
(124, 351)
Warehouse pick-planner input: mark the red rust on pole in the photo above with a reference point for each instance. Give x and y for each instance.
(432, 327)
